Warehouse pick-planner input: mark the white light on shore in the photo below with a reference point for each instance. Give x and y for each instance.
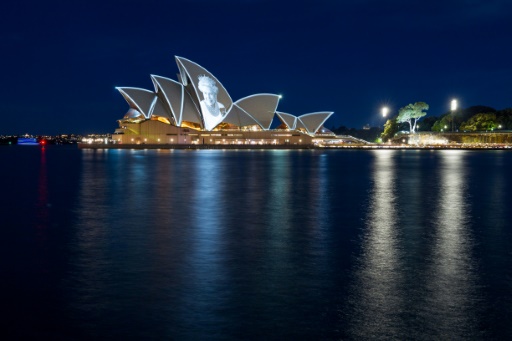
(385, 111)
(454, 104)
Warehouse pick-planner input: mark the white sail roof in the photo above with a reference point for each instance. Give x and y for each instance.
(139, 99)
(184, 101)
(172, 93)
(313, 121)
(239, 117)
(261, 107)
(288, 119)
(191, 71)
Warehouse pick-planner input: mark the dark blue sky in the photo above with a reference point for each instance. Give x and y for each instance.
(62, 60)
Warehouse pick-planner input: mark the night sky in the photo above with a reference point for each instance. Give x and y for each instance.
(61, 61)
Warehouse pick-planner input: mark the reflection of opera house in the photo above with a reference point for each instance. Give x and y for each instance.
(198, 110)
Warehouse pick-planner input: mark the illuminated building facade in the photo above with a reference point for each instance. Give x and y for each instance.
(197, 109)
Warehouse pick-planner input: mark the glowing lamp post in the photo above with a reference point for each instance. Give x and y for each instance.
(385, 111)
(453, 107)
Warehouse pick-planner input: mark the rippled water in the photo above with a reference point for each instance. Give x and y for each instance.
(216, 244)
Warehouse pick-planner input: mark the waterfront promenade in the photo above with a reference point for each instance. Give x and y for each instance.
(479, 146)
(419, 141)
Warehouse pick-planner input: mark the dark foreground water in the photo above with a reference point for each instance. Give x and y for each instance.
(209, 245)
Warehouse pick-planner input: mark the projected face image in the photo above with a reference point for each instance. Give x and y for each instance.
(213, 111)
(210, 97)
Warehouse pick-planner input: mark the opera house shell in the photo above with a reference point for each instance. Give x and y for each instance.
(197, 109)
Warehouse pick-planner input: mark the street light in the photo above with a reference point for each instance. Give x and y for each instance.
(385, 111)
(453, 107)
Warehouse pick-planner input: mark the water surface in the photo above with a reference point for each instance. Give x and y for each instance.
(212, 244)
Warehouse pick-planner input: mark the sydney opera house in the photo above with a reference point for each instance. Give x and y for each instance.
(197, 109)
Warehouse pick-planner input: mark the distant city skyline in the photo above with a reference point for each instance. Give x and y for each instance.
(63, 62)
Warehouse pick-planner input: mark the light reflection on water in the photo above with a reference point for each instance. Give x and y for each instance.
(378, 294)
(206, 267)
(414, 280)
(247, 244)
(451, 303)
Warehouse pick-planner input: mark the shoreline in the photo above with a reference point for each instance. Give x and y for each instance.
(293, 147)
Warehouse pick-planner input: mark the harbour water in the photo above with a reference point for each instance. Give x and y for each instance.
(255, 244)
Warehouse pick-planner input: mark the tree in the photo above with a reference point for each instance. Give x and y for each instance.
(484, 121)
(411, 113)
(443, 123)
(390, 129)
(458, 117)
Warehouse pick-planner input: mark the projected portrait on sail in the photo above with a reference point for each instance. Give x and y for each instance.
(213, 111)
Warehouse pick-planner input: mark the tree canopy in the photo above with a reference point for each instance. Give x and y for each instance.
(443, 124)
(456, 119)
(479, 122)
(390, 129)
(411, 113)
(474, 118)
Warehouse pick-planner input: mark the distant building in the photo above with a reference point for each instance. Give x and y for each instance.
(197, 109)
